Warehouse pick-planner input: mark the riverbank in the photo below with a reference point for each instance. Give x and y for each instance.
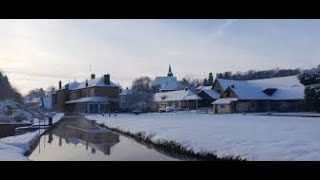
(250, 137)
(14, 148)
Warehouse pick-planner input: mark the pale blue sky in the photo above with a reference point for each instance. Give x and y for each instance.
(37, 53)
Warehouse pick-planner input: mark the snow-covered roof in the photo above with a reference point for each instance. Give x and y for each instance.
(89, 99)
(181, 95)
(212, 93)
(125, 92)
(224, 100)
(286, 88)
(97, 82)
(204, 87)
(168, 83)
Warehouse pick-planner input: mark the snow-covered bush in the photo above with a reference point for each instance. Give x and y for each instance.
(311, 79)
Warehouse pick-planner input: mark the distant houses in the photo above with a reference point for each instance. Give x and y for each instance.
(97, 95)
(177, 100)
(274, 94)
(167, 83)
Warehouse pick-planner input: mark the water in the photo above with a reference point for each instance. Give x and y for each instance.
(77, 139)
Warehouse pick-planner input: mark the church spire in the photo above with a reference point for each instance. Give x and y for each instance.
(170, 72)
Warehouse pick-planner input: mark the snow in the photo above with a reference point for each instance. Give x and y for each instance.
(97, 82)
(89, 99)
(176, 96)
(251, 137)
(125, 92)
(225, 100)
(287, 88)
(212, 93)
(168, 83)
(14, 147)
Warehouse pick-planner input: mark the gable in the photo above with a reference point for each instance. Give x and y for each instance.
(229, 93)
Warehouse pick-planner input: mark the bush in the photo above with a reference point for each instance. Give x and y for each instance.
(19, 117)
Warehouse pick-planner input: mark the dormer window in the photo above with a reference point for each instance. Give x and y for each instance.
(163, 97)
(269, 91)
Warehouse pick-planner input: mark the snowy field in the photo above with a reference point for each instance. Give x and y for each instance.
(12, 148)
(250, 136)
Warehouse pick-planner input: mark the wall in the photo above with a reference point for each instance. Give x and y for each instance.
(111, 92)
(223, 109)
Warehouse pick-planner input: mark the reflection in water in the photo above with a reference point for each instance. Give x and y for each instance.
(79, 139)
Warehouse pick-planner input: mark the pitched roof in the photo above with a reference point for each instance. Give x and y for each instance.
(224, 100)
(125, 92)
(286, 88)
(176, 96)
(212, 93)
(97, 82)
(89, 99)
(168, 83)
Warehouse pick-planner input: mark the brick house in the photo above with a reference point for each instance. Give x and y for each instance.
(96, 95)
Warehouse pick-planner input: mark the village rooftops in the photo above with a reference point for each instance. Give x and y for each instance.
(282, 88)
(168, 83)
(97, 82)
(95, 99)
(125, 92)
(182, 95)
(224, 100)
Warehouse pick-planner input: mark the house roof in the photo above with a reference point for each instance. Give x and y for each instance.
(212, 93)
(89, 99)
(168, 83)
(181, 95)
(286, 88)
(125, 92)
(224, 100)
(97, 82)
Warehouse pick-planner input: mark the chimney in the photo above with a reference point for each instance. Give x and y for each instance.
(86, 82)
(107, 79)
(60, 84)
(93, 76)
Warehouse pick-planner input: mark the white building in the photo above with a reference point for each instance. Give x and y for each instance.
(167, 83)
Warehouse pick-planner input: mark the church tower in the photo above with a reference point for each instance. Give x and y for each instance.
(170, 72)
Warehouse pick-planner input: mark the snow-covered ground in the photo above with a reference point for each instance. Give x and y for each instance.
(250, 136)
(12, 148)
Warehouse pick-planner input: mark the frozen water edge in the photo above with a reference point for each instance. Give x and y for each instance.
(251, 137)
(13, 148)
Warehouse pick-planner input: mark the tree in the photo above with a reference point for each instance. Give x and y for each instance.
(190, 82)
(35, 93)
(210, 79)
(311, 79)
(141, 97)
(205, 82)
(50, 90)
(142, 84)
(7, 92)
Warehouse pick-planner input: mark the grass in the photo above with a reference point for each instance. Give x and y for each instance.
(174, 148)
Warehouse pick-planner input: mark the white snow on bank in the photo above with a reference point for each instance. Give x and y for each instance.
(251, 137)
(12, 148)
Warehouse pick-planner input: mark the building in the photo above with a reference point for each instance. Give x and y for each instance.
(274, 94)
(208, 95)
(96, 95)
(167, 83)
(180, 100)
(123, 99)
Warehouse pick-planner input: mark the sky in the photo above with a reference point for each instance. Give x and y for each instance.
(38, 53)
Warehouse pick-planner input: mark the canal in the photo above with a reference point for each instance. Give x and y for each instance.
(78, 139)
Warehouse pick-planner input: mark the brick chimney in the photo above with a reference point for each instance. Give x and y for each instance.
(60, 84)
(107, 79)
(93, 76)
